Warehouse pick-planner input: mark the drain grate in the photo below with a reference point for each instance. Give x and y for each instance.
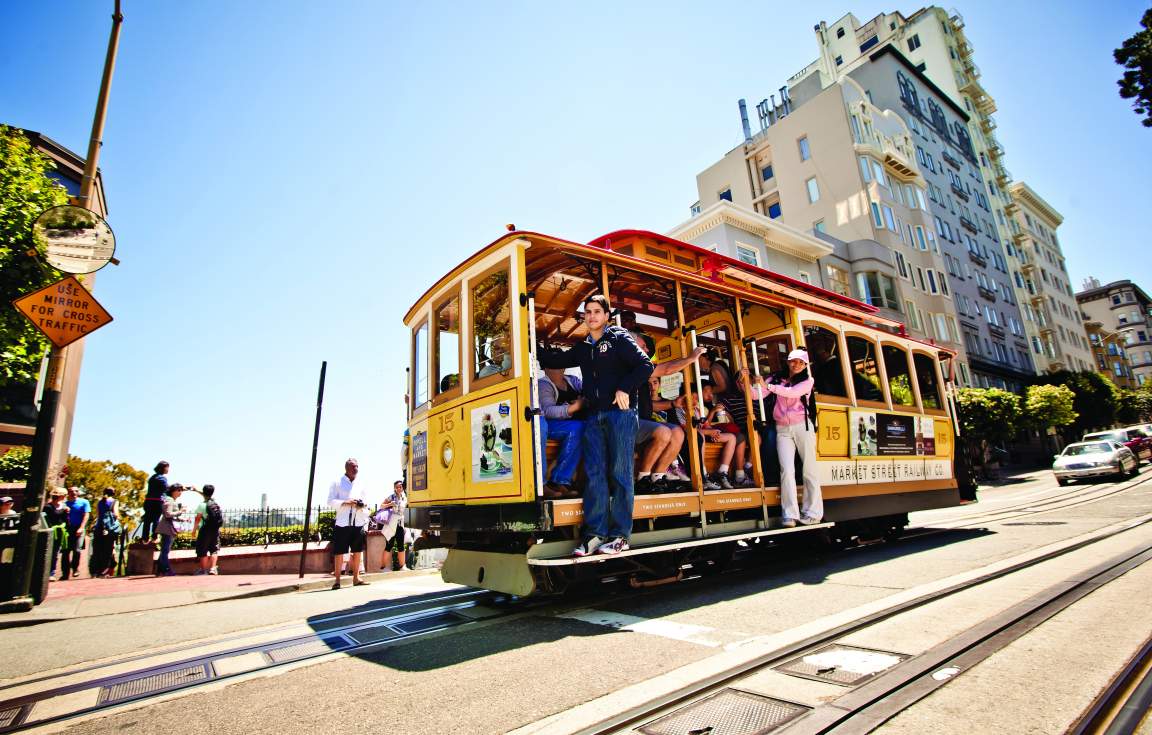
(375, 634)
(439, 620)
(728, 712)
(8, 716)
(152, 683)
(317, 647)
(839, 664)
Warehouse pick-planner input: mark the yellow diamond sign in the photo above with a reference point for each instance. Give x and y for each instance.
(63, 311)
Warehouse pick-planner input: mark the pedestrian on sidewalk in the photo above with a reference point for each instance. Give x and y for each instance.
(79, 511)
(391, 519)
(56, 518)
(351, 529)
(105, 533)
(171, 513)
(209, 521)
(154, 502)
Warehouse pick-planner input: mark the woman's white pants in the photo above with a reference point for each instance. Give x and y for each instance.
(790, 439)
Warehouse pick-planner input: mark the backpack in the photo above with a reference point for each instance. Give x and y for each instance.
(213, 516)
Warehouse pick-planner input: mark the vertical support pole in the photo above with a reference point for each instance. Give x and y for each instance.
(312, 470)
(695, 455)
(763, 422)
(753, 435)
(529, 300)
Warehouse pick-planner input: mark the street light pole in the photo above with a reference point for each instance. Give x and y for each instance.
(40, 462)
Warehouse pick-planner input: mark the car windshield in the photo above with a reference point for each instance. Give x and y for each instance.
(1114, 436)
(1136, 433)
(1074, 450)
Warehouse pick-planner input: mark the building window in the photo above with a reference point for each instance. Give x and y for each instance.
(902, 265)
(805, 152)
(726, 194)
(926, 379)
(869, 43)
(864, 367)
(767, 172)
(865, 168)
(806, 277)
(840, 32)
(878, 173)
(877, 289)
(839, 59)
(899, 378)
(876, 218)
(813, 190)
(747, 254)
(890, 219)
(932, 281)
(774, 210)
(914, 43)
(838, 281)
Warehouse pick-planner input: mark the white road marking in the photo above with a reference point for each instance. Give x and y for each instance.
(697, 634)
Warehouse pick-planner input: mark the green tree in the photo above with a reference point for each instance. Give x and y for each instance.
(94, 476)
(25, 192)
(988, 416)
(14, 464)
(1135, 406)
(1048, 406)
(1096, 402)
(1135, 55)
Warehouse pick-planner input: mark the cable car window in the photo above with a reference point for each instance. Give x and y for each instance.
(926, 379)
(448, 346)
(420, 365)
(491, 326)
(865, 370)
(826, 366)
(899, 381)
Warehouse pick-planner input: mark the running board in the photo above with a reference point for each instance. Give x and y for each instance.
(594, 558)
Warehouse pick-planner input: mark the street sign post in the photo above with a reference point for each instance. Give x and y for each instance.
(64, 311)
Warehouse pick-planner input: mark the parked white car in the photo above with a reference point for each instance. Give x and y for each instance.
(1088, 460)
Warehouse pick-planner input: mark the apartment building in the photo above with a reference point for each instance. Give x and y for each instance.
(1123, 308)
(1060, 341)
(1110, 354)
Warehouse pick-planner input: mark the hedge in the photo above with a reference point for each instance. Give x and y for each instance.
(257, 536)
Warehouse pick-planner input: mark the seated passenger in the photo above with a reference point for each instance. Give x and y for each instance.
(499, 359)
(663, 439)
(826, 369)
(719, 427)
(560, 419)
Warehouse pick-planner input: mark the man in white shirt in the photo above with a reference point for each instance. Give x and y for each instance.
(351, 523)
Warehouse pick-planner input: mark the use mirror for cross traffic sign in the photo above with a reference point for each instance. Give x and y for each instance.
(74, 239)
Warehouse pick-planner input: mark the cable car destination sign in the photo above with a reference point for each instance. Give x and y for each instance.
(64, 311)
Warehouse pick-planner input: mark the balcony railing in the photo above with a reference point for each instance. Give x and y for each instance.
(959, 191)
(965, 222)
(987, 293)
(977, 259)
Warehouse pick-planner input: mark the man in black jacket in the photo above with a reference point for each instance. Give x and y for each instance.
(614, 369)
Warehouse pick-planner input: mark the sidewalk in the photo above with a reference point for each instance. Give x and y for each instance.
(87, 597)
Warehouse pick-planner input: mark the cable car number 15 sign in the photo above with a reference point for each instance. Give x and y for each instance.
(64, 311)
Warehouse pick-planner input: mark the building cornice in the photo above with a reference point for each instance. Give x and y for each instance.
(777, 235)
(1024, 194)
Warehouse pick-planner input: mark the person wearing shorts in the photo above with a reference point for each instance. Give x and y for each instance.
(351, 528)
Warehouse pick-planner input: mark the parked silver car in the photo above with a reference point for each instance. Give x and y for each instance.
(1087, 460)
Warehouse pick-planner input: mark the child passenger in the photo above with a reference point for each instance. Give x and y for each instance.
(719, 427)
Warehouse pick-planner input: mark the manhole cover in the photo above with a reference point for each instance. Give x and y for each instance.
(153, 683)
(839, 664)
(728, 712)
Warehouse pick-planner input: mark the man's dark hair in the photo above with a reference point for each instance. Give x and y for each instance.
(109, 492)
(160, 465)
(207, 491)
(599, 299)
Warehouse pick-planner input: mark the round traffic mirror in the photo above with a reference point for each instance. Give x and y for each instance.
(74, 239)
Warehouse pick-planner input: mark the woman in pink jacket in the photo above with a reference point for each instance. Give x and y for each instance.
(795, 432)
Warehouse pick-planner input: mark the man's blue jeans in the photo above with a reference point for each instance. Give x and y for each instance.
(569, 433)
(609, 444)
(165, 548)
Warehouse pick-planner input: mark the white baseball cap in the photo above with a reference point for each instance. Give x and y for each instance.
(798, 355)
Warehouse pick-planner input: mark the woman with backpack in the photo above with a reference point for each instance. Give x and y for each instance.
(795, 415)
(209, 520)
(105, 534)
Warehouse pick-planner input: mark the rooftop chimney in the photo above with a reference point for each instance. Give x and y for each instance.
(744, 121)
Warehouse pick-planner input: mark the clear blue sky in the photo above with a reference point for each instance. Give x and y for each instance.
(285, 179)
